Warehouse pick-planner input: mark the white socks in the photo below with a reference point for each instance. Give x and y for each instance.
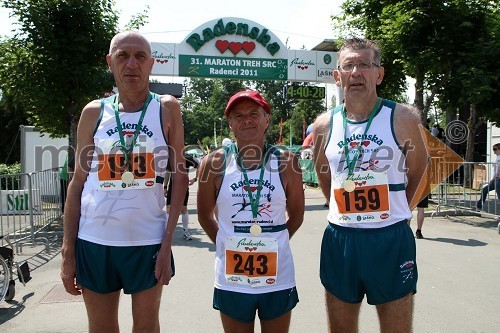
(185, 220)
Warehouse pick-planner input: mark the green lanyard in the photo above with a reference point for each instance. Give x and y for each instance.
(128, 150)
(352, 163)
(254, 202)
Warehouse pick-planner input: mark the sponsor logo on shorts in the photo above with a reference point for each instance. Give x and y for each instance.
(384, 216)
(270, 281)
(407, 270)
(407, 264)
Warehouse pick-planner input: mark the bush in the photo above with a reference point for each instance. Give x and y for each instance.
(9, 182)
(10, 169)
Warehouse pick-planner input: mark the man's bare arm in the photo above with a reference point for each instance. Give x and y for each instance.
(321, 135)
(83, 159)
(407, 125)
(294, 192)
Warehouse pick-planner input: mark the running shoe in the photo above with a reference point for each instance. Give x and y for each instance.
(187, 235)
(418, 234)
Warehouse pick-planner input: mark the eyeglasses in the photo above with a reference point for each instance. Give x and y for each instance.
(362, 66)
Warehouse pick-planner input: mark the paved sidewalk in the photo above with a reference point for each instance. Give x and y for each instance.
(458, 290)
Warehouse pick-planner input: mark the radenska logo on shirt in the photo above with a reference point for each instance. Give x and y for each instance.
(255, 182)
(358, 137)
(129, 126)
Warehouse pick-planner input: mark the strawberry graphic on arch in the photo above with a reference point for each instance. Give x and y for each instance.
(222, 45)
(248, 47)
(235, 47)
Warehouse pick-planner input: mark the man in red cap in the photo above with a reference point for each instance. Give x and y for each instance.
(253, 185)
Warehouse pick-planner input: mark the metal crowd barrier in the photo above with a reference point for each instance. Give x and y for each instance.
(29, 204)
(462, 190)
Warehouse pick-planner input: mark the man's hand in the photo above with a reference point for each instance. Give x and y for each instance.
(163, 268)
(68, 277)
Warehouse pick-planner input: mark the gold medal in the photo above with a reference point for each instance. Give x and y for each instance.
(128, 177)
(255, 230)
(349, 185)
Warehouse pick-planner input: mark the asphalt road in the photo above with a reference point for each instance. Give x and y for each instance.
(458, 290)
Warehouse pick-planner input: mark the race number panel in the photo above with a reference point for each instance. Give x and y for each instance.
(111, 165)
(252, 261)
(369, 202)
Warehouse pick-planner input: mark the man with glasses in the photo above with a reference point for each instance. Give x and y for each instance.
(370, 158)
(494, 183)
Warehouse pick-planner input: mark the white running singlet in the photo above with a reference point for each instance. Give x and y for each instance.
(379, 197)
(245, 263)
(112, 212)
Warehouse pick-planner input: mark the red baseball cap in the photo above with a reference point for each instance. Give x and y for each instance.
(249, 94)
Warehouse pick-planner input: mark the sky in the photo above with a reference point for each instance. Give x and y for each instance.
(298, 22)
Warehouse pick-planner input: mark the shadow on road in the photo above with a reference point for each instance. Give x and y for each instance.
(461, 242)
(15, 308)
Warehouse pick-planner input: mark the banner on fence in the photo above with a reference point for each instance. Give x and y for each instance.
(14, 202)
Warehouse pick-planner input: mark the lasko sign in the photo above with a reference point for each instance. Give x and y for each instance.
(242, 49)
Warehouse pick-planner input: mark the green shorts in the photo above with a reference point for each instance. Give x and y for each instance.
(242, 306)
(380, 263)
(106, 269)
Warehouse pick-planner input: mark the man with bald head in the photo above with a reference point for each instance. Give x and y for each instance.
(117, 235)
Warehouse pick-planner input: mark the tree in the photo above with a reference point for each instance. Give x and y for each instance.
(304, 114)
(203, 108)
(205, 100)
(10, 120)
(138, 20)
(440, 44)
(281, 106)
(56, 61)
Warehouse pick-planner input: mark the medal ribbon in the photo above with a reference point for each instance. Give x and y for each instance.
(254, 202)
(352, 163)
(128, 150)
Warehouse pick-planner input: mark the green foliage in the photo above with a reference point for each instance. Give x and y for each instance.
(10, 183)
(10, 119)
(55, 63)
(10, 169)
(450, 47)
(474, 68)
(138, 20)
(281, 106)
(203, 108)
(304, 114)
(205, 100)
